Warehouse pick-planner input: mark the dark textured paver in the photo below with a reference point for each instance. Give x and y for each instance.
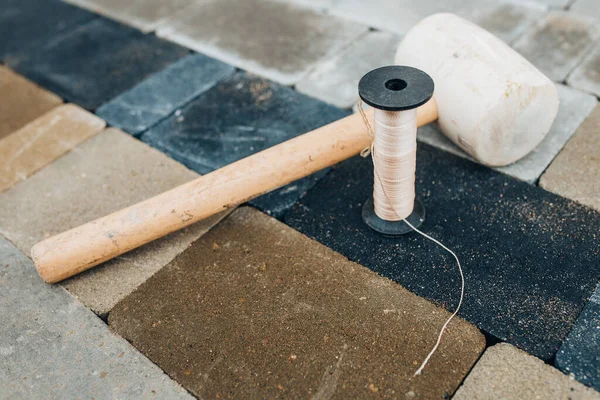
(240, 116)
(530, 257)
(27, 24)
(580, 353)
(97, 61)
(52, 347)
(255, 309)
(162, 93)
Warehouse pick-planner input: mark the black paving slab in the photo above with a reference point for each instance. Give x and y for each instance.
(530, 258)
(242, 115)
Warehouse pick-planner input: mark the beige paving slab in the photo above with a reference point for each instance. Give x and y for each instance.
(276, 39)
(146, 15)
(109, 172)
(21, 101)
(43, 140)
(575, 172)
(505, 372)
(558, 42)
(254, 309)
(586, 76)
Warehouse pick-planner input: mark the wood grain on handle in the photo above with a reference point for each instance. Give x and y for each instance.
(86, 246)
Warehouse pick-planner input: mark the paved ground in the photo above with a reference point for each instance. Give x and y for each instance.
(104, 103)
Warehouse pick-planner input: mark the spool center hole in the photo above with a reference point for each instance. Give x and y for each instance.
(396, 85)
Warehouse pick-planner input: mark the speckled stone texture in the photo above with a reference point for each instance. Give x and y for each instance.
(21, 101)
(163, 93)
(43, 140)
(53, 348)
(580, 353)
(586, 76)
(254, 309)
(575, 106)
(105, 174)
(529, 257)
(336, 80)
(276, 39)
(505, 372)
(558, 42)
(97, 61)
(575, 172)
(240, 116)
(28, 24)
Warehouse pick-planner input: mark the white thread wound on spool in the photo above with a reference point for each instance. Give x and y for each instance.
(395, 158)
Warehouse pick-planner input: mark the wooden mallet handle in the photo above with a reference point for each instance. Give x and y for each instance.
(86, 246)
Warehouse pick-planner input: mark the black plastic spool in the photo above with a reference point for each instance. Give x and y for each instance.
(395, 88)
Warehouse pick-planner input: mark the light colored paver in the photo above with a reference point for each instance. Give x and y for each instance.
(43, 140)
(21, 101)
(586, 7)
(275, 39)
(336, 81)
(255, 309)
(53, 348)
(107, 173)
(160, 95)
(555, 3)
(586, 76)
(505, 372)
(575, 106)
(505, 19)
(559, 42)
(575, 172)
(146, 15)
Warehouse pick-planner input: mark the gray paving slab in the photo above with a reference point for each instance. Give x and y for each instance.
(163, 93)
(580, 353)
(586, 76)
(586, 7)
(145, 15)
(558, 42)
(335, 81)
(575, 106)
(51, 347)
(505, 372)
(109, 172)
(278, 40)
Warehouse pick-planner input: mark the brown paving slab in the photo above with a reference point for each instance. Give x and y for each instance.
(575, 172)
(505, 372)
(21, 101)
(254, 309)
(109, 172)
(43, 140)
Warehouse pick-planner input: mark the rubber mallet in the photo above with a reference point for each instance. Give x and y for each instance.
(490, 101)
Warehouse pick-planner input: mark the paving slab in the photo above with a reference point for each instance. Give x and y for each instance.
(97, 61)
(37, 144)
(28, 24)
(558, 42)
(163, 93)
(109, 172)
(255, 309)
(529, 256)
(21, 101)
(240, 116)
(575, 172)
(505, 19)
(242, 34)
(586, 76)
(575, 106)
(145, 15)
(505, 372)
(52, 347)
(335, 81)
(580, 353)
(586, 7)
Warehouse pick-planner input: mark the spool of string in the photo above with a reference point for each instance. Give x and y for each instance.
(393, 151)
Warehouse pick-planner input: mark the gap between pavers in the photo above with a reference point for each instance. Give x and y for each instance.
(107, 173)
(254, 309)
(52, 347)
(43, 140)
